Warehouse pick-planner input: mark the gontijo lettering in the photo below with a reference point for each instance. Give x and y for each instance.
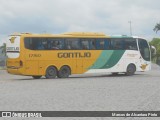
(74, 55)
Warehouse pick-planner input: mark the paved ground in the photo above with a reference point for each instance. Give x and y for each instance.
(82, 92)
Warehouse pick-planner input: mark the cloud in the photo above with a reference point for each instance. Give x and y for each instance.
(57, 16)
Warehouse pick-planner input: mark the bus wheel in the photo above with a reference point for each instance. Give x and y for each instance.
(51, 72)
(64, 72)
(36, 77)
(131, 69)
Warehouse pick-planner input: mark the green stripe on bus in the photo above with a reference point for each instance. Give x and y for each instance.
(107, 59)
(102, 59)
(116, 56)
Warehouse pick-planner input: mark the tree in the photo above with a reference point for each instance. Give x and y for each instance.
(156, 43)
(3, 48)
(3, 55)
(157, 27)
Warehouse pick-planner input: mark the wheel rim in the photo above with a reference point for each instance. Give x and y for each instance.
(131, 69)
(51, 72)
(65, 72)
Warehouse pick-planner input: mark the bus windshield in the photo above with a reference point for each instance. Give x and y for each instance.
(144, 49)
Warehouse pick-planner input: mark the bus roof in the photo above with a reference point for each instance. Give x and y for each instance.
(121, 36)
(84, 34)
(74, 34)
(69, 34)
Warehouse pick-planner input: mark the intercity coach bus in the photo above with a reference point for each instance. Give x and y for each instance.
(60, 55)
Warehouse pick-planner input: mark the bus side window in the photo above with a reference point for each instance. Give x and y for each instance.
(85, 44)
(44, 43)
(68, 46)
(99, 44)
(35, 42)
(54, 45)
(92, 44)
(130, 44)
(40, 46)
(72, 44)
(117, 44)
(61, 44)
(106, 44)
(28, 43)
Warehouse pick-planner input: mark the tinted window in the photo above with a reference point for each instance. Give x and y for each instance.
(72, 44)
(102, 44)
(88, 44)
(130, 44)
(85, 44)
(117, 44)
(44, 43)
(28, 43)
(92, 44)
(123, 44)
(32, 43)
(55, 43)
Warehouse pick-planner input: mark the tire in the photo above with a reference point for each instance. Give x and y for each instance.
(64, 72)
(131, 69)
(36, 77)
(51, 72)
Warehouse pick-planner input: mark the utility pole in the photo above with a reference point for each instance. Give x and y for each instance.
(130, 23)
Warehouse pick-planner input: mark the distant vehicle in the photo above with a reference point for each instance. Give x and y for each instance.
(61, 55)
(153, 50)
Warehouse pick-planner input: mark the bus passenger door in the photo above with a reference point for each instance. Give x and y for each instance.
(79, 66)
(31, 67)
(87, 64)
(31, 63)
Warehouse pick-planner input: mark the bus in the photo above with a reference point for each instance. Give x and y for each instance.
(60, 55)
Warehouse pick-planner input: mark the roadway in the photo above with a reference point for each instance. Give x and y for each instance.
(98, 92)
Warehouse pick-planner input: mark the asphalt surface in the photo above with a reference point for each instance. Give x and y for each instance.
(87, 92)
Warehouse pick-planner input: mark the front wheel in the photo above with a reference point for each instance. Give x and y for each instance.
(51, 72)
(64, 72)
(131, 69)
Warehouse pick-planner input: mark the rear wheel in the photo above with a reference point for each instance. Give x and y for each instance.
(64, 72)
(36, 77)
(51, 72)
(131, 69)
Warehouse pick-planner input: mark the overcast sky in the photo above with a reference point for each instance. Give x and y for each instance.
(58, 16)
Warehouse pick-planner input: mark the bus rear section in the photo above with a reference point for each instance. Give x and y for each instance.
(14, 63)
